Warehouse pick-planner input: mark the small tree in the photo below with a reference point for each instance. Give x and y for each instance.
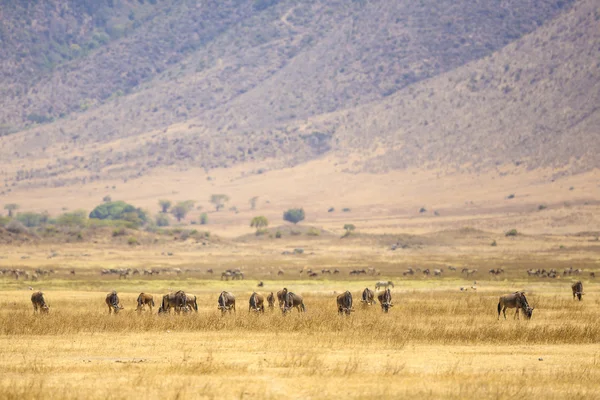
(10, 208)
(203, 219)
(294, 215)
(219, 200)
(107, 198)
(349, 228)
(259, 223)
(164, 205)
(253, 202)
(181, 209)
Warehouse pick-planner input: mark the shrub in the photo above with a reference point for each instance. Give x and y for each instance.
(15, 226)
(313, 232)
(331, 209)
(422, 210)
(512, 232)
(278, 235)
(294, 215)
(494, 244)
(511, 196)
(162, 220)
(75, 218)
(132, 241)
(107, 198)
(203, 219)
(262, 231)
(31, 219)
(114, 210)
(542, 207)
(346, 209)
(119, 232)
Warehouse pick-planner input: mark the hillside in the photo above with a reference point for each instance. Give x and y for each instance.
(220, 84)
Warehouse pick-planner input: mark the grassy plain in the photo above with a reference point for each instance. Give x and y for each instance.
(437, 342)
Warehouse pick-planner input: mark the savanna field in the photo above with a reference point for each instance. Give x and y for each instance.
(437, 341)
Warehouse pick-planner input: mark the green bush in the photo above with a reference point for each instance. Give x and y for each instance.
(162, 220)
(119, 232)
(512, 232)
(75, 218)
(31, 219)
(114, 210)
(278, 235)
(294, 215)
(494, 244)
(313, 232)
(132, 241)
(203, 219)
(542, 207)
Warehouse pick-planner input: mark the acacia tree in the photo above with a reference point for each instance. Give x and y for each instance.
(294, 215)
(259, 223)
(10, 208)
(348, 228)
(219, 200)
(164, 205)
(181, 209)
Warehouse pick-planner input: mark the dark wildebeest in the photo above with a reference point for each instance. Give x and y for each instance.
(577, 289)
(144, 299)
(384, 284)
(226, 302)
(177, 300)
(292, 300)
(38, 301)
(271, 300)
(280, 298)
(368, 297)
(515, 300)
(257, 303)
(190, 301)
(344, 303)
(385, 298)
(113, 302)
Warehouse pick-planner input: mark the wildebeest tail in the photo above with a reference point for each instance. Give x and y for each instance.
(139, 300)
(195, 304)
(499, 307)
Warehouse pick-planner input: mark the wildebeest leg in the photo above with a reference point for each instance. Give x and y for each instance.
(504, 311)
(516, 314)
(499, 310)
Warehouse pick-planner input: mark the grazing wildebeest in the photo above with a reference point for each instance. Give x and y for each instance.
(226, 275)
(226, 302)
(38, 301)
(438, 272)
(368, 297)
(515, 300)
(592, 274)
(177, 300)
(384, 284)
(344, 303)
(113, 302)
(261, 284)
(280, 298)
(271, 300)
(256, 303)
(385, 298)
(144, 299)
(409, 271)
(292, 300)
(190, 301)
(577, 289)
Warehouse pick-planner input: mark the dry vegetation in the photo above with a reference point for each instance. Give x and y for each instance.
(438, 341)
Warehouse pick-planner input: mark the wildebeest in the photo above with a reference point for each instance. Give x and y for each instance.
(177, 300)
(144, 299)
(577, 289)
(344, 303)
(438, 272)
(190, 301)
(113, 302)
(226, 302)
(271, 300)
(592, 274)
(256, 303)
(384, 284)
(385, 299)
(515, 300)
(368, 297)
(280, 298)
(38, 301)
(226, 275)
(292, 300)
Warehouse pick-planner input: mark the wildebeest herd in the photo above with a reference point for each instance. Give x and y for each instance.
(180, 301)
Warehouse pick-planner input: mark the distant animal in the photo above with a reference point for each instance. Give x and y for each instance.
(260, 284)
(426, 271)
(271, 300)
(256, 303)
(226, 302)
(336, 271)
(577, 289)
(190, 301)
(515, 300)
(280, 298)
(38, 301)
(344, 303)
(384, 284)
(209, 271)
(592, 274)
(313, 274)
(438, 272)
(176, 300)
(113, 302)
(226, 275)
(409, 271)
(368, 297)
(385, 299)
(291, 301)
(280, 272)
(143, 300)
